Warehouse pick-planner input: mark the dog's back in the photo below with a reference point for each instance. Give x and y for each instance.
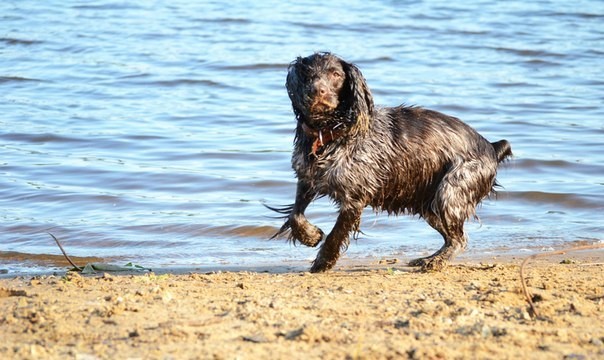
(412, 157)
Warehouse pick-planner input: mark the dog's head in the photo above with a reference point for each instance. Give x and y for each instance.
(328, 93)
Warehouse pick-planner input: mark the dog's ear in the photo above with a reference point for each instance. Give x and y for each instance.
(295, 87)
(357, 96)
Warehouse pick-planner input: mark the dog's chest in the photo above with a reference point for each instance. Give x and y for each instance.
(336, 174)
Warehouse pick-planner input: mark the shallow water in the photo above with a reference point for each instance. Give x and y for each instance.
(154, 133)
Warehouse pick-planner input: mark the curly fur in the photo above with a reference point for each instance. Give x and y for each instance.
(396, 159)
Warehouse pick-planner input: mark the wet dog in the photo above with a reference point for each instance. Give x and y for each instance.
(400, 159)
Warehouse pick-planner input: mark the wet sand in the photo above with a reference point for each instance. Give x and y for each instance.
(375, 310)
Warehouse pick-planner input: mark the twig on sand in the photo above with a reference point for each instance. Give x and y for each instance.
(527, 294)
(64, 253)
(92, 268)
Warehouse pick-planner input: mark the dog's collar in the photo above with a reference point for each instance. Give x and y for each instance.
(321, 137)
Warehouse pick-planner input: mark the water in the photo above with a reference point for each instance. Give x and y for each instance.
(154, 132)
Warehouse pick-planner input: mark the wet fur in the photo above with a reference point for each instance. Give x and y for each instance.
(396, 159)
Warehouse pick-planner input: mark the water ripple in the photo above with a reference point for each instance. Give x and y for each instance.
(15, 41)
(17, 79)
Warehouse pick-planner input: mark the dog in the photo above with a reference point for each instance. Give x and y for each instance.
(402, 160)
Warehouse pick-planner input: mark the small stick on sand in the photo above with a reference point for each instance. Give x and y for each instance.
(527, 294)
(64, 253)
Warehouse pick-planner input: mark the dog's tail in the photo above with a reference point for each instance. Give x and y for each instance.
(503, 150)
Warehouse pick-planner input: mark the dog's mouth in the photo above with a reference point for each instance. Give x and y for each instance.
(323, 105)
(327, 118)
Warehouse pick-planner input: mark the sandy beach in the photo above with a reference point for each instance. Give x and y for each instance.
(376, 310)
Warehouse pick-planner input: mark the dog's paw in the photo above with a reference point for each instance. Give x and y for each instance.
(316, 235)
(308, 234)
(430, 263)
(417, 262)
(321, 265)
(325, 260)
(318, 268)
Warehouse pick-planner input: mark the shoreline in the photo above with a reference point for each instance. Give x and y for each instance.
(472, 309)
(46, 265)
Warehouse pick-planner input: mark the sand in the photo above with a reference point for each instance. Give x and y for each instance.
(375, 310)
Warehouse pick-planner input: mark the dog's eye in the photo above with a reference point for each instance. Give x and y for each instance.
(336, 74)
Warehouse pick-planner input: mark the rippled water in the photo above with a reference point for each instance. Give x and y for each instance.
(154, 132)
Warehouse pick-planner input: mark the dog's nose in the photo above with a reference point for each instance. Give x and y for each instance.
(321, 96)
(320, 88)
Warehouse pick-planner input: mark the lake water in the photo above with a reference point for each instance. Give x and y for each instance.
(153, 132)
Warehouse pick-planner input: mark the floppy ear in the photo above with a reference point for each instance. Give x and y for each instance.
(295, 87)
(357, 96)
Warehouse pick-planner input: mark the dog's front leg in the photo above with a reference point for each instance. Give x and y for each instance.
(301, 229)
(348, 221)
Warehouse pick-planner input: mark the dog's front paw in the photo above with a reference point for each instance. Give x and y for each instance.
(321, 265)
(326, 258)
(312, 237)
(305, 232)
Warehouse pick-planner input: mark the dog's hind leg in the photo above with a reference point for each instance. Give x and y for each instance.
(455, 241)
(461, 189)
(337, 240)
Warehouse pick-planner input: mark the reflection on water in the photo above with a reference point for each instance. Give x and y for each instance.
(155, 133)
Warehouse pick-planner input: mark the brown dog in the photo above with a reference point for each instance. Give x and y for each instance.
(398, 159)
